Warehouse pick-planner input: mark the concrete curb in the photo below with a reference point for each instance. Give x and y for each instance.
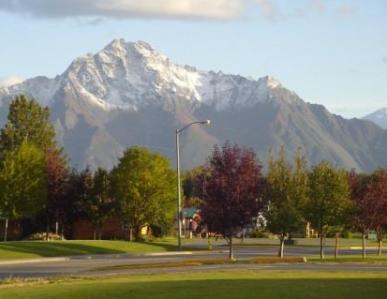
(359, 248)
(170, 253)
(31, 261)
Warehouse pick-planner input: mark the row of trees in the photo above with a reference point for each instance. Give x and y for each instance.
(37, 183)
(233, 191)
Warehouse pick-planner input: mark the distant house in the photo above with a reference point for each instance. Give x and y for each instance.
(190, 221)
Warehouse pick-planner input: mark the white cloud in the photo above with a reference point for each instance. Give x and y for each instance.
(345, 10)
(196, 9)
(268, 9)
(316, 6)
(8, 81)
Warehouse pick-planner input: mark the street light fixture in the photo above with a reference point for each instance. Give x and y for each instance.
(178, 131)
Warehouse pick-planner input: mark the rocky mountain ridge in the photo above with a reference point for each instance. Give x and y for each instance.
(129, 94)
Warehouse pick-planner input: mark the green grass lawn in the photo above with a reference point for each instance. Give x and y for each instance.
(225, 285)
(34, 249)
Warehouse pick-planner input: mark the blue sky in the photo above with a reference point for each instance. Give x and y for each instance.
(330, 52)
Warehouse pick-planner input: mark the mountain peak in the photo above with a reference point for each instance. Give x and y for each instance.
(116, 44)
(269, 81)
(122, 46)
(378, 117)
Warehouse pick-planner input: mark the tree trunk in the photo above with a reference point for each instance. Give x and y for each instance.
(364, 245)
(336, 245)
(380, 247)
(99, 233)
(57, 227)
(5, 229)
(94, 234)
(321, 245)
(47, 227)
(231, 250)
(131, 234)
(209, 241)
(282, 245)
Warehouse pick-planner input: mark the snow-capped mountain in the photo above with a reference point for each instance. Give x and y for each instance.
(131, 76)
(378, 117)
(129, 94)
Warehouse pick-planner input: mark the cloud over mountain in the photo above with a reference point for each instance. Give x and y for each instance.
(196, 9)
(8, 81)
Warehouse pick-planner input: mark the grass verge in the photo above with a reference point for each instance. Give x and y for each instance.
(225, 285)
(35, 249)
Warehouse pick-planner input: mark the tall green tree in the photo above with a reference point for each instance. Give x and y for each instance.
(99, 204)
(143, 185)
(286, 191)
(27, 121)
(328, 201)
(23, 182)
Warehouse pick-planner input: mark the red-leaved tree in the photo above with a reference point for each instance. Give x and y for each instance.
(231, 188)
(369, 194)
(58, 182)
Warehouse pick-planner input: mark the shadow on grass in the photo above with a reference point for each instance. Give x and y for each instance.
(341, 288)
(50, 249)
(64, 248)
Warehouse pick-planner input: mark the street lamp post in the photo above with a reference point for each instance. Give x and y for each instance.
(178, 131)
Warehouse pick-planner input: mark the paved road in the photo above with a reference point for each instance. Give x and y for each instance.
(91, 265)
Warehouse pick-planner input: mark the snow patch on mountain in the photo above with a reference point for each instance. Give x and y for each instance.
(132, 75)
(40, 88)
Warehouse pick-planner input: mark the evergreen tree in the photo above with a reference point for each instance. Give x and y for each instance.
(99, 204)
(79, 189)
(27, 121)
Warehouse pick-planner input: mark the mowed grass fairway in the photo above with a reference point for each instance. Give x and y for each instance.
(34, 249)
(228, 284)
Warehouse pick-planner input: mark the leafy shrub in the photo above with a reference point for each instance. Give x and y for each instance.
(41, 236)
(260, 233)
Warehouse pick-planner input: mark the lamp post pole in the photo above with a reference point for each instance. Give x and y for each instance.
(178, 182)
(178, 190)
